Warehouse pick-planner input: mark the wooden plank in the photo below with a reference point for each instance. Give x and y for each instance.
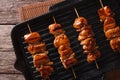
(11, 77)
(7, 55)
(9, 9)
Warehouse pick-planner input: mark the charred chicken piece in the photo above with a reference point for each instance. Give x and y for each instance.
(113, 33)
(89, 44)
(79, 23)
(45, 71)
(61, 39)
(115, 44)
(32, 38)
(84, 34)
(67, 56)
(109, 23)
(105, 12)
(36, 48)
(92, 56)
(69, 62)
(65, 51)
(56, 29)
(41, 59)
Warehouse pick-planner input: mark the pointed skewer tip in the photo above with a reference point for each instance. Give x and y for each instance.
(76, 12)
(101, 3)
(73, 73)
(29, 28)
(96, 64)
(54, 19)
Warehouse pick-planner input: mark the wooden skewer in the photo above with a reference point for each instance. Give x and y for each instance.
(76, 12)
(101, 3)
(78, 17)
(71, 67)
(29, 28)
(73, 73)
(54, 19)
(96, 64)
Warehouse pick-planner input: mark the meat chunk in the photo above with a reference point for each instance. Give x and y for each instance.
(105, 12)
(109, 23)
(115, 44)
(36, 48)
(79, 23)
(93, 56)
(113, 33)
(33, 37)
(45, 71)
(56, 29)
(69, 62)
(65, 51)
(41, 59)
(84, 34)
(61, 39)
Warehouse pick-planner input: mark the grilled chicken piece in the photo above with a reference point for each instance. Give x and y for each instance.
(45, 71)
(113, 33)
(61, 39)
(36, 48)
(84, 34)
(89, 44)
(92, 56)
(89, 47)
(41, 59)
(88, 41)
(79, 23)
(56, 29)
(69, 62)
(105, 12)
(115, 44)
(65, 51)
(109, 23)
(67, 56)
(33, 37)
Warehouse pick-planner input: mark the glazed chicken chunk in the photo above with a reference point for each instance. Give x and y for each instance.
(33, 37)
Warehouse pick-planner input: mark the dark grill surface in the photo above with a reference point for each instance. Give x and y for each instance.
(65, 15)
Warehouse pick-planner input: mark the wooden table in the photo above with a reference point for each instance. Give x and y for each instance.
(8, 18)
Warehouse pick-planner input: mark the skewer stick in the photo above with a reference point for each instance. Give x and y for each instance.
(71, 67)
(96, 64)
(54, 19)
(73, 73)
(76, 12)
(101, 3)
(29, 28)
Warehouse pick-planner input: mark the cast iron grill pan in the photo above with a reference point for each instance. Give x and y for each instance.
(65, 15)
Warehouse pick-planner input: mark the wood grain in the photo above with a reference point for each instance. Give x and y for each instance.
(7, 55)
(9, 9)
(11, 77)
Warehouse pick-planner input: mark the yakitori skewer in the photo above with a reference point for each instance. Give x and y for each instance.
(111, 29)
(37, 49)
(61, 41)
(86, 38)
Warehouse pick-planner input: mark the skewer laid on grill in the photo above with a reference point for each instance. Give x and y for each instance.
(61, 41)
(37, 49)
(86, 38)
(111, 29)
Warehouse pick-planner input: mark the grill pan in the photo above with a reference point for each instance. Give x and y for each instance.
(65, 15)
